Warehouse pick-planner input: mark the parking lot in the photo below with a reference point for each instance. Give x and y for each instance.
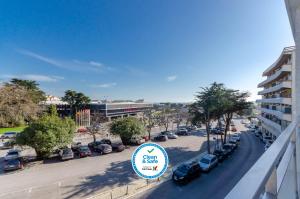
(84, 177)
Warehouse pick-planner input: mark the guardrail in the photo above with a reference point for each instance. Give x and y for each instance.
(274, 175)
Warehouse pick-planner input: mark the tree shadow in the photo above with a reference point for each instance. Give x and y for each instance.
(121, 173)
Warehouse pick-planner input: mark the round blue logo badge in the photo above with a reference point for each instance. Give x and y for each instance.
(150, 161)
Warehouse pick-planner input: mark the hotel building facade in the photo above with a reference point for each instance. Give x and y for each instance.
(276, 104)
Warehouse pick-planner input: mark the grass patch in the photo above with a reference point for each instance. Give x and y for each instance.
(14, 129)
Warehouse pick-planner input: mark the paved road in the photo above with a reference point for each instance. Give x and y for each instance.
(81, 178)
(219, 181)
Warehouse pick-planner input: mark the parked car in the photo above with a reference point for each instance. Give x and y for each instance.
(186, 172)
(169, 134)
(228, 148)
(237, 137)
(233, 129)
(267, 139)
(82, 130)
(220, 154)
(75, 147)
(183, 132)
(208, 162)
(84, 151)
(6, 145)
(118, 147)
(161, 138)
(234, 142)
(137, 140)
(93, 145)
(146, 137)
(12, 154)
(9, 135)
(66, 154)
(13, 164)
(267, 145)
(214, 131)
(103, 149)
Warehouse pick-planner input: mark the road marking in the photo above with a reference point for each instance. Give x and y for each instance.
(59, 184)
(30, 190)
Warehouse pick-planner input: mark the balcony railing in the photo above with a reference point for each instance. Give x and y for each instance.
(284, 68)
(284, 84)
(274, 175)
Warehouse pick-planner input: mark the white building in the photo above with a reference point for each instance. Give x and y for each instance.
(276, 174)
(276, 102)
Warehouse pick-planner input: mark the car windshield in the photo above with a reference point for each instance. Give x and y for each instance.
(13, 162)
(205, 161)
(183, 168)
(67, 151)
(84, 149)
(12, 153)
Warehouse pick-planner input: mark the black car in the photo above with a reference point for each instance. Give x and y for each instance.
(186, 172)
(221, 154)
(214, 131)
(228, 148)
(93, 145)
(75, 147)
(183, 132)
(161, 138)
(118, 147)
(234, 143)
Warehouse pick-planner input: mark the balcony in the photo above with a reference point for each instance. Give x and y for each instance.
(284, 68)
(281, 115)
(278, 100)
(274, 175)
(282, 85)
(270, 123)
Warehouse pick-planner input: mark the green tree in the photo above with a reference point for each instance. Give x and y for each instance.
(32, 87)
(232, 101)
(126, 128)
(165, 117)
(206, 108)
(47, 134)
(150, 120)
(75, 100)
(17, 107)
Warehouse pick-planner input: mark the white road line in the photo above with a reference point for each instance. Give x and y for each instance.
(30, 190)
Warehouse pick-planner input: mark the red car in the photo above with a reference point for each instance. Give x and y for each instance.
(84, 151)
(82, 130)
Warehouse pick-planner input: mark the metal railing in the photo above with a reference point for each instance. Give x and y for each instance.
(274, 175)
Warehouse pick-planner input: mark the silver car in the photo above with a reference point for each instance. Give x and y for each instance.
(103, 149)
(12, 154)
(208, 162)
(66, 154)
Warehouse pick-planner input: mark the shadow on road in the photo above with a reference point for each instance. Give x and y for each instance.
(121, 173)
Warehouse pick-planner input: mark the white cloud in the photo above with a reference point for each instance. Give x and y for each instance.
(35, 77)
(93, 63)
(171, 78)
(106, 85)
(75, 65)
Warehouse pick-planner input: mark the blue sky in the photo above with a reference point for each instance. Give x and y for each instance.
(159, 50)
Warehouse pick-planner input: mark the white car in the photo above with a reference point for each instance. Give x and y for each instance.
(236, 137)
(12, 154)
(170, 135)
(268, 144)
(208, 162)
